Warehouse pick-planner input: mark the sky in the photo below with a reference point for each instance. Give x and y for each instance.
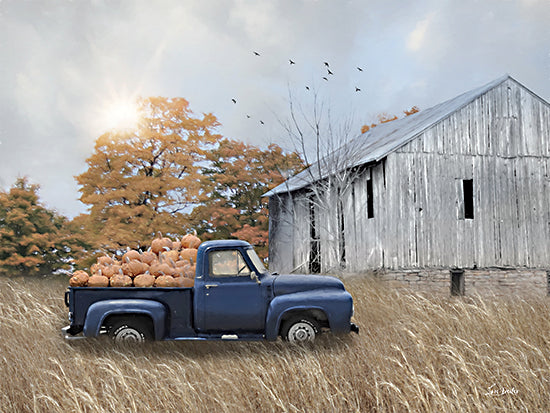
(70, 69)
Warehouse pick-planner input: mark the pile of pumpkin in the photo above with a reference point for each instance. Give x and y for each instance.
(166, 263)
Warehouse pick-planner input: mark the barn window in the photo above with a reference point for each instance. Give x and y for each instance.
(457, 281)
(468, 191)
(370, 200)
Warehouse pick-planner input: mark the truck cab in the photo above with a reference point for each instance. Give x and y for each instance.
(234, 298)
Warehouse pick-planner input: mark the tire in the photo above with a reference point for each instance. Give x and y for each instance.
(130, 330)
(300, 329)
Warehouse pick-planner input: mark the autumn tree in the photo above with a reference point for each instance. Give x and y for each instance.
(142, 181)
(385, 118)
(33, 239)
(236, 177)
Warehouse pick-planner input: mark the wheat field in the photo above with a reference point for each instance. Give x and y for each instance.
(415, 352)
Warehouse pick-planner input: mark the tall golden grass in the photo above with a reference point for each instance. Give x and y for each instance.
(416, 352)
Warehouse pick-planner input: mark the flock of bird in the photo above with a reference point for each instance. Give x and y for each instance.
(292, 62)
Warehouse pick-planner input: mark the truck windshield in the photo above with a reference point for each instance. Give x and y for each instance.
(256, 261)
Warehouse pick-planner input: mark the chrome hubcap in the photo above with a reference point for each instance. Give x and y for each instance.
(128, 334)
(301, 332)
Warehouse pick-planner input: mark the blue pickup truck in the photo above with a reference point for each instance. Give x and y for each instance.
(234, 298)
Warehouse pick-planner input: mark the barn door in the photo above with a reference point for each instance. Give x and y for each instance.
(314, 240)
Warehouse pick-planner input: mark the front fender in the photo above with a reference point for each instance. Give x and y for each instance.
(336, 304)
(100, 310)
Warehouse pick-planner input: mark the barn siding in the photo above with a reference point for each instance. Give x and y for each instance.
(500, 140)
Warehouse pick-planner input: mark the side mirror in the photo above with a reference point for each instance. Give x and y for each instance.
(254, 276)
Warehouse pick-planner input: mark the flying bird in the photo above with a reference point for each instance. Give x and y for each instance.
(326, 64)
(357, 89)
(248, 116)
(307, 87)
(358, 68)
(234, 100)
(262, 122)
(324, 78)
(256, 53)
(291, 62)
(329, 72)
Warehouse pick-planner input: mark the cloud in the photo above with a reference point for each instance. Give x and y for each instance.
(416, 38)
(65, 61)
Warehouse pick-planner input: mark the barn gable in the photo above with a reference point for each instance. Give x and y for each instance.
(378, 142)
(462, 184)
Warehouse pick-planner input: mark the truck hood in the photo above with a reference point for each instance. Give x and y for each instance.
(288, 284)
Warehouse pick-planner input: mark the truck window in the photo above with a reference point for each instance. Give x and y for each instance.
(256, 261)
(229, 263)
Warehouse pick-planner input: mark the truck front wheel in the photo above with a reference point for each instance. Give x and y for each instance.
(130, 330)
(300, 329)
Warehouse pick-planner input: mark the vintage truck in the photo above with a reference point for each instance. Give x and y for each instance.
(234, 298)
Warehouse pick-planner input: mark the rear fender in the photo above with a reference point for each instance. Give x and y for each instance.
(100, 310)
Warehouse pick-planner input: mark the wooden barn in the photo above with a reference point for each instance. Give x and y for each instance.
(464, 184)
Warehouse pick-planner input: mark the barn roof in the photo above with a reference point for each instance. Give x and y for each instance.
(378, 142)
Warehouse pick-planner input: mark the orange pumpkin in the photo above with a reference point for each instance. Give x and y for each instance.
(98, 281)
(144, 280)
(189, 271)
(185, 282)
(170, 255)
(159, 244)
(165, 281)
(131, 255)
(148, 257)
(79, 279)
(189, 254)
(134, 268)
(105, 260)
(120, 280)
(190, 241)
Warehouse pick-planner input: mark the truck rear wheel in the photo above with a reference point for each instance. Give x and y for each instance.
(130, 330)
(300, 329)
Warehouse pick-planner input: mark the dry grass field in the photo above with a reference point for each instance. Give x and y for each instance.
(416, 352)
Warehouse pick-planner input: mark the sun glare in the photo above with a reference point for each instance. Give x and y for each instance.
(120, 114)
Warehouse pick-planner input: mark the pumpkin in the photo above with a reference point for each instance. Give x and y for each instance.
(98, 281)
(189, 254)
(170, 255)
(176, 245)
(148, 257)
(185, 282)
(131, 255)
(165, 281)
(190, 241)
(134, 268)
(105, 260)
(159, 244)
(120, 280)
(189, 271)
(107, 270)
(79, 279)
(144, 280)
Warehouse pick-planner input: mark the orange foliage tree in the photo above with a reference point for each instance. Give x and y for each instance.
(33, 239)
(385, 118)
(236, 177)
(143, 181)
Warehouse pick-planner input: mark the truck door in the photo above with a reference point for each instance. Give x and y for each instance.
(230, 299)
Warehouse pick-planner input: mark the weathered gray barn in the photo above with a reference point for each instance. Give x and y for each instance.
(463, 184)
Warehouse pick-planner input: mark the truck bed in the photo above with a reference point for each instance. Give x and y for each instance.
(177, 300)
